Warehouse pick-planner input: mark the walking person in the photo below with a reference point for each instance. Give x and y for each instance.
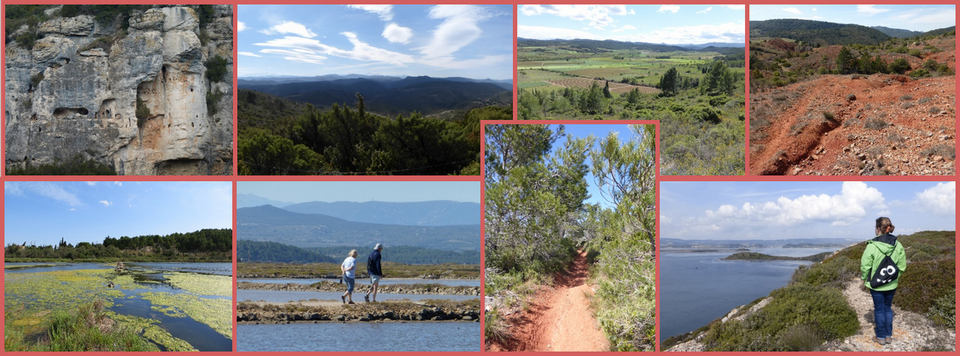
(348, 268)
(373, 269)
(881, 267)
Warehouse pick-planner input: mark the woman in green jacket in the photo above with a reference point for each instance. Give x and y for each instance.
(885, 244)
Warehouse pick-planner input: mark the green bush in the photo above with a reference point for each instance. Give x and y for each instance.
(213, 98)
(900, 66)
(142, 113)
(923, 283)
(216, 68)
(944, 312)
(77, 165)
(919, 73)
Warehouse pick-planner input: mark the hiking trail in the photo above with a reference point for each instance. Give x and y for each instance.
(911, 331)
(559, 318)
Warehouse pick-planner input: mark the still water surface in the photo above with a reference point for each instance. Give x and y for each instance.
(415, 336)
(291, 296)
(696, 288)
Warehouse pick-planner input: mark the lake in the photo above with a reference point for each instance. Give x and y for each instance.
(697, 288)
(288, 296)
(366, 281)
(181, 306)
(414, 336)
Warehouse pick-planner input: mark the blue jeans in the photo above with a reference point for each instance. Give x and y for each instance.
(882, 312)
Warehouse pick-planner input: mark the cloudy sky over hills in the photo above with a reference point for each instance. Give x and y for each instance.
(784, 210)
(474, 41)
(671, 24)
(908, 17)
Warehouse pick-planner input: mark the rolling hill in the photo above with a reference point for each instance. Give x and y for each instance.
(427, 213)
(269, 223)
(391, 96)
(817, 32)
(594, 46)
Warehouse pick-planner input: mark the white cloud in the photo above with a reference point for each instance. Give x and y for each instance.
(665, 220)
(729, 32)
(870, 9)
(705, 10)
(91, 183)
(849, 207)
(814, 9)
(296, 55)
(926, 17)
(671, 8)
(290, 28)
(735, 7)
(940, 199)
(384, 11)
(550, 33)
(629, 27)
(397, 34)
(241, 26)
(249, 54)
(458, 29)
(793, 10)
(45, 189)
(106, 203)
(307, 50)
(599, 16)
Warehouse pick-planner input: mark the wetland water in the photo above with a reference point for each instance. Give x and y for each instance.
(178, 306)
(698, 287)
(292, 296)
(366, 281)
(418, 336)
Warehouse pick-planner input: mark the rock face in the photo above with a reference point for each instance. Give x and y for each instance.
(76, 92)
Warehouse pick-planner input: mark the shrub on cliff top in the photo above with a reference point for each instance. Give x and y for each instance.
(216, 68)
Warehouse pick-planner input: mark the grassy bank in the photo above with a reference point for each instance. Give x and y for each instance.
(305, 311)
(320, 270)
(87, 328)
(812, 310)
(180, 257)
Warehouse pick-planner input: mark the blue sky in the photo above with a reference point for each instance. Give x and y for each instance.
(599, 131)
(784, 210)
(907, 17)
(473, 41)
(44, 212)
(671, 24)
(300, 192)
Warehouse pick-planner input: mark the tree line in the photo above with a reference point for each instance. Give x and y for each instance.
(207, 244)
(265, 251)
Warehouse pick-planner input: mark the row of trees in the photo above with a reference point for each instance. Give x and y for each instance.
(537, 217)
(345, 141)
(718, 79)
(215, 244)
(266, 251)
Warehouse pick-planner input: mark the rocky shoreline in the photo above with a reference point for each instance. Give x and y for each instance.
(328, 286)
(256, 313)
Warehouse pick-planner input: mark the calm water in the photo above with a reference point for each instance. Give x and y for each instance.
(418, 336)
(696, 288)
(366, 281)
(290, 296)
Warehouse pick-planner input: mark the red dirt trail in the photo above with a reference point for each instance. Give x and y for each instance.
(559, 317)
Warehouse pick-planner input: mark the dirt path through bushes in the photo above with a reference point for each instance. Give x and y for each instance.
(559, 318)
(911, 331)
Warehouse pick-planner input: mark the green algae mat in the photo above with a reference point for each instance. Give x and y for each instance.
(170, 310)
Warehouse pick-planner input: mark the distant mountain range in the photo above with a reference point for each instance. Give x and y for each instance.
(250, 200)
(388, 96)
(269, 223)
(829, 33)
(427, 213)
(596, 45)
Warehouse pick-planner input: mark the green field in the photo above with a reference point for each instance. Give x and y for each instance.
(698, 96)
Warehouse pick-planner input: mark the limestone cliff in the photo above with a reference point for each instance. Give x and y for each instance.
(81, 86)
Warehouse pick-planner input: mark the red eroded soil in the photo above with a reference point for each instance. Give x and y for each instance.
(855, 125)
(559, 317)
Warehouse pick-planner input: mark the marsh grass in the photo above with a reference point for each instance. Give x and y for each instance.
(87, 328)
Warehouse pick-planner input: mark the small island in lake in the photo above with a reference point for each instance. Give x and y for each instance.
(756, 256)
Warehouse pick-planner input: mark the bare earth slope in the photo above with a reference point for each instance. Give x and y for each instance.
(855, 125)
(559, 318)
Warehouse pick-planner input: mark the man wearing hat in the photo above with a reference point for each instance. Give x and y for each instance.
(373, 269)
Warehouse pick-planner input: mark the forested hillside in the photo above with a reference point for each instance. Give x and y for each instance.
(817, 33)
(209, 244)
(262, 251)
(537, 219)
(342, 140)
